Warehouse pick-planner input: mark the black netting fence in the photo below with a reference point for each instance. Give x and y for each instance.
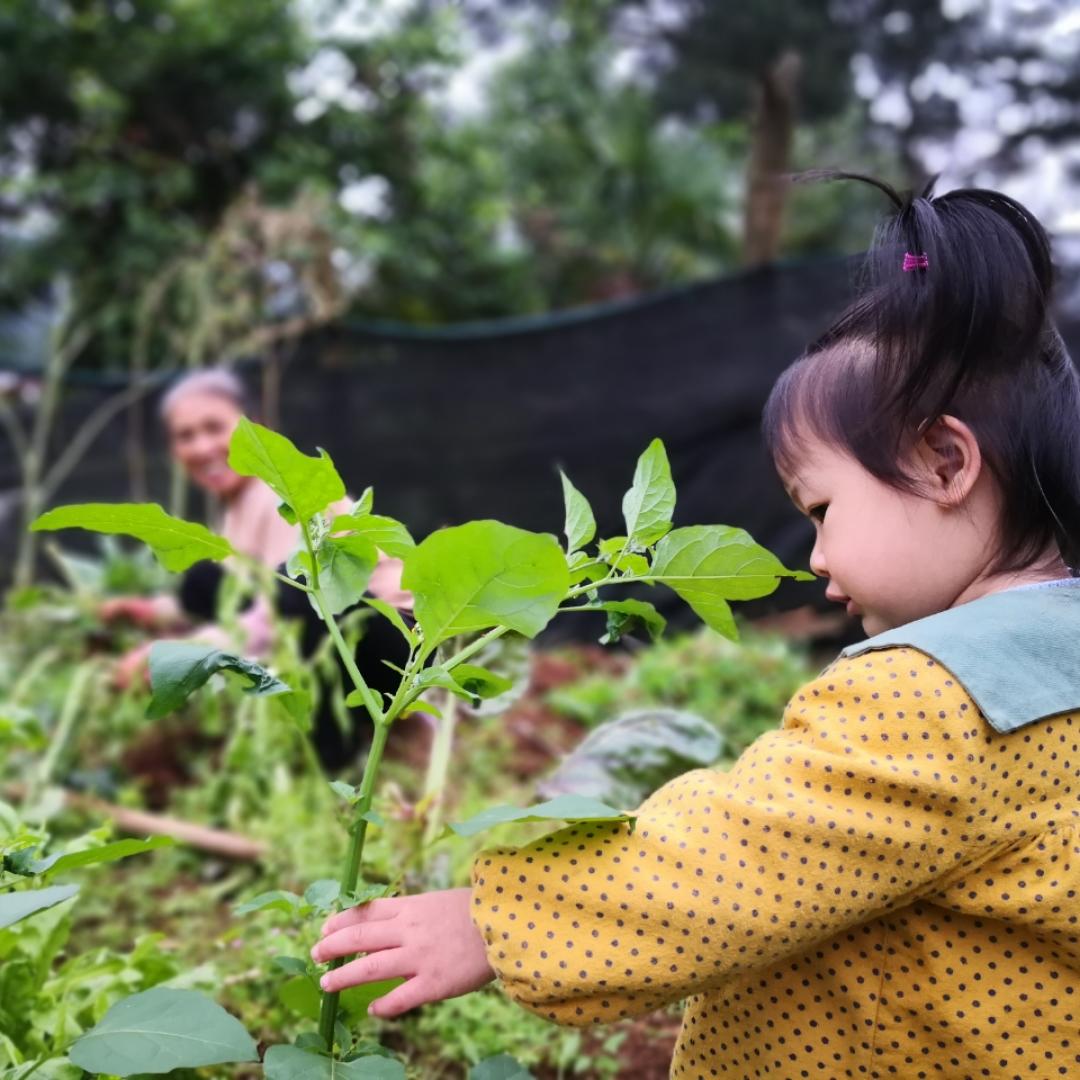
(472, 421)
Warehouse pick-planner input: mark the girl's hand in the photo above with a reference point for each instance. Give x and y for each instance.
(429, 940)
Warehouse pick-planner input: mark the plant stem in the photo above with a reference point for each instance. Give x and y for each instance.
(475, 647)
(351, 873)
(580, 590)
(69, 713)
(439, 767)
(358, 830)
(347, 658)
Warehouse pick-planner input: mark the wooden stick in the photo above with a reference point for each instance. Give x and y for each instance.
(229, 845)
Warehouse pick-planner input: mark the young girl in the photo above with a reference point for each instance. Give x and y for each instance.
(887, 885)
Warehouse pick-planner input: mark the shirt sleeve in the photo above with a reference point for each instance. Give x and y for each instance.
(871, 795)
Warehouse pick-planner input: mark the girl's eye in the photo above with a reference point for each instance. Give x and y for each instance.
(818, 512)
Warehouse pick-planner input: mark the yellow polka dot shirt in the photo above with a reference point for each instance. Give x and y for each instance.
(885, 886)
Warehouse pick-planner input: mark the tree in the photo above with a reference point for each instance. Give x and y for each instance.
(608, 198)
(131, 127)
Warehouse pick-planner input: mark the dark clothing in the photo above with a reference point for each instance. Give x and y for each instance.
(380, 641)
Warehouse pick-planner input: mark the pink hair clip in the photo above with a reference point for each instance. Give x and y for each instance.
(916, 262)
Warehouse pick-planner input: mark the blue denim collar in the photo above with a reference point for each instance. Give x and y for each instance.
(1016, 652)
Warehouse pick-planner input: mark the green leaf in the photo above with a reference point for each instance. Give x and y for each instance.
(625, 616)
(296, 705)
(502, 1067)
(349, 793)
(300, 995)
(176, 544)
(420, 707)
(650, 502)
(306, 484)
(485, 574)
(372, 817)
(585, 567)
(366, 501)
(356, 999)
(298, 564)
(276, 900)
(179, 668)
(106, 853)
(625, 760)
(365, 892)
(52, 1068)
(322, 894)
(580, 524)
(479, 682)
(708, 565)
(561, 808)
(467, 681)
(345, 566)
(615, 553)
(292, 1063)
(388, 611)
(384, 532)
(161, 1030)
(291, 965)
(18, 905)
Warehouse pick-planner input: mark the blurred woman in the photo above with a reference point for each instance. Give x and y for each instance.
(200, 414)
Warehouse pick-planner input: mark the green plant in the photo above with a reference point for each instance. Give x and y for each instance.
(740, 689)
(48, 996)
(471, 585)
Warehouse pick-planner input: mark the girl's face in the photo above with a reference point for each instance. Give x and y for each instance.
(890, 556)
(200, 427)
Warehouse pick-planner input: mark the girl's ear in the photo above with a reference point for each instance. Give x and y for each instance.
(950, 460)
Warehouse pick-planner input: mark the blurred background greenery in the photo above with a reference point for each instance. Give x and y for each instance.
(439, 161)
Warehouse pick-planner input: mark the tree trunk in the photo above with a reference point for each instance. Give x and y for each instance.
(770, 160)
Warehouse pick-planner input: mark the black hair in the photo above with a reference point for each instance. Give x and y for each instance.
(964, 331)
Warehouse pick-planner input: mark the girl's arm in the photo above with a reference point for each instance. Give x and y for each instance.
(870, 796)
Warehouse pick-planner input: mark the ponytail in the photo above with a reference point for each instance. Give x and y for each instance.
(953, 319)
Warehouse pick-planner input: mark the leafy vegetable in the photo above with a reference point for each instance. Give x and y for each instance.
(179, 668)
(503, 1067)
(561, 808)
(708, 565)
(485, 574)
(24, 902)
(176, 544)
(345, 566)
(384, 532)
(293, 1063)
(627, 759)
(650, 502)
(25, 862)
(160, 1030)
(580, 524)
(306, 484)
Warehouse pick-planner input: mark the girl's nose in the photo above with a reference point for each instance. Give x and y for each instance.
(817, 560)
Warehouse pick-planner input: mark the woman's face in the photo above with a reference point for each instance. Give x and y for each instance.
(200, 427)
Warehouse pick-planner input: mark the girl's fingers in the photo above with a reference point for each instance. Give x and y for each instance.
(407, 996)
(372, 911)
(388, 964)
(359, 937)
